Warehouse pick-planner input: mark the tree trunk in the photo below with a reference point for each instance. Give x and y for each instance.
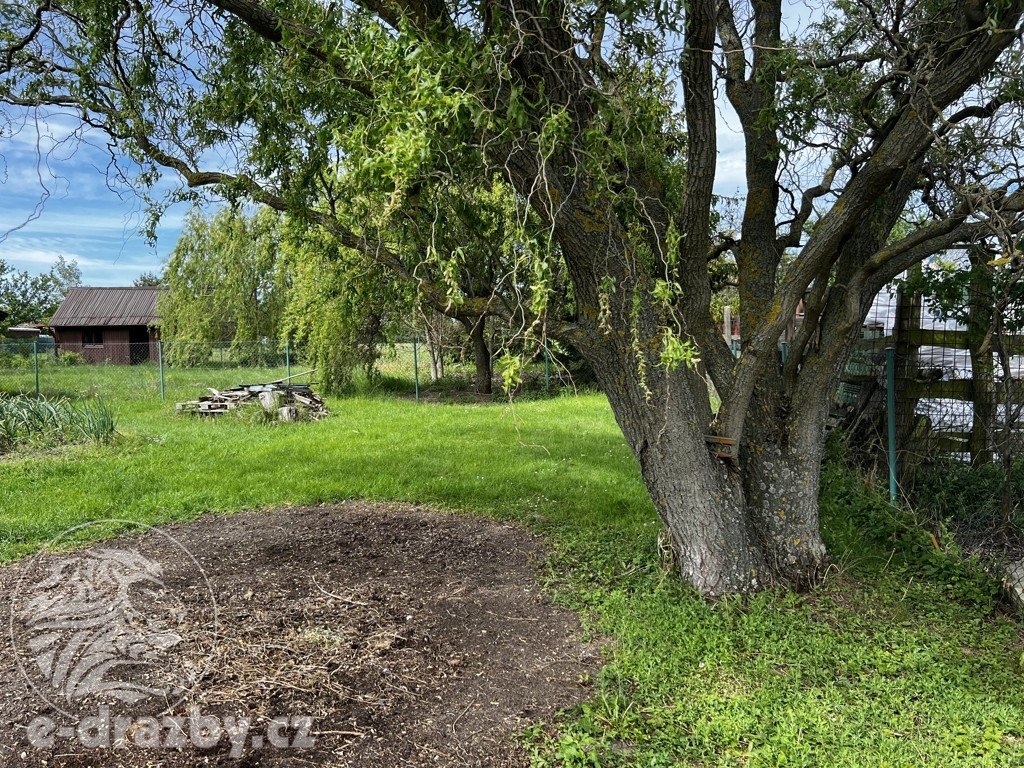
(436, 361)
(481, 355)
(435, 350)
(698, 497)
(738, 522)
(908, 321)
(782, 490)
(781, 464)
(984, 403)
(736, 525)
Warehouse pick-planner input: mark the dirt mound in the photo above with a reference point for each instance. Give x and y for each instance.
(356, 634)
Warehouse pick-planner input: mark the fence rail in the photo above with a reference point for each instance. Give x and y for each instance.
(922, 389)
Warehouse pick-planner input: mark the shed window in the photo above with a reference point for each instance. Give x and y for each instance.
(92, 337)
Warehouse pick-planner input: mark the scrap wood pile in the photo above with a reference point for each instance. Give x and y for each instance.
(287, 402)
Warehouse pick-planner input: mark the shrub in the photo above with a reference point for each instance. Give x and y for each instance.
(865, 530)
(187, 354)
(970, 498)
(70, 359)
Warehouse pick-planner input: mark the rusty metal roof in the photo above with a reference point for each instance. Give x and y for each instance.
(108, 306)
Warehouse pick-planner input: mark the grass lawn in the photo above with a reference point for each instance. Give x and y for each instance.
(132, 382)
(901, 659)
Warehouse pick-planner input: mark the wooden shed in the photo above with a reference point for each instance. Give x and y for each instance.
(112, 325)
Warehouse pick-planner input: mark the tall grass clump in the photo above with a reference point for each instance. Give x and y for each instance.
(38, 421)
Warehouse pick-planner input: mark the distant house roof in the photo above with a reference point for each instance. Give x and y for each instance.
(108, 306)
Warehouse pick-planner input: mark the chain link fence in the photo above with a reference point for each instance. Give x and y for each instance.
(183, 370)
(937, 403)
(174, 371)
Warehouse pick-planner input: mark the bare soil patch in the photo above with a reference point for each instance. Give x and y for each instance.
(409, 637)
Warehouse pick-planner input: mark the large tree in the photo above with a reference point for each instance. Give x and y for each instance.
(342, 309)
(224, 284)
(29, 298)
(602, 116)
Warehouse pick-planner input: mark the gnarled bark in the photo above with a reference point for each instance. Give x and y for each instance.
(737, 525)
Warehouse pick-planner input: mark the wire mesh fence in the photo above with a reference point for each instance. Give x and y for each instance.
(925, 388)
(176, 371)
(139, 371)
(957, 389)
(142, 371)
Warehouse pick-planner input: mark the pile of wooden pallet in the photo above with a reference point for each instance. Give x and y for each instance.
(287, 402)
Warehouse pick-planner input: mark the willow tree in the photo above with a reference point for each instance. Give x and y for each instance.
(342, 309)
(224, 284)
(603, 118)
(471, 240)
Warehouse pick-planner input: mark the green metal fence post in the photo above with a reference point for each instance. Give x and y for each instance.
(547, 370)
(287, 360)
(160, 362)
(35, 362)
(785, 351)
(416, 368)
(890, 408)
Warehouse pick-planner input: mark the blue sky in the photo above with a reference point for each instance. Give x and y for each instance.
(87, 215)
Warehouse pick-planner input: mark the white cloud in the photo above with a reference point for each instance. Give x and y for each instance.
(730, 172)
(37, 259)
(103, 236)
(96, 270)
(86, 221)
(68, 203)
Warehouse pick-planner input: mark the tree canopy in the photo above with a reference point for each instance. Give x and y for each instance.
(148, 279)
(876, 133)
(224, 284)
(28, 298)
